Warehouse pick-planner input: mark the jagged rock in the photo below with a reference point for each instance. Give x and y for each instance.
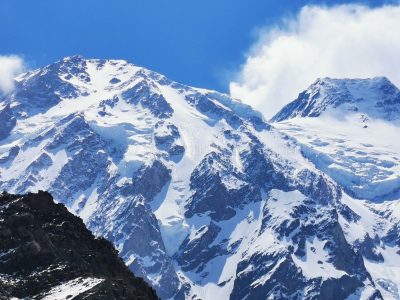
(7, 121)
(148, 96)
(44, 249)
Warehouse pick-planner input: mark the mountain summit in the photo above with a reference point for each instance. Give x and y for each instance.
(224, 204)
(377, 97)
(349, 129)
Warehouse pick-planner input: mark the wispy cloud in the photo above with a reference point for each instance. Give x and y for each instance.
(10, 66)
(342, 41)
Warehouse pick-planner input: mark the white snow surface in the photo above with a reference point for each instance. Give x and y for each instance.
(362, 156)
(71, 289)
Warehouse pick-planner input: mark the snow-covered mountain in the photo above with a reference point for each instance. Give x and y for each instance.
(224, 204)
(349, 129)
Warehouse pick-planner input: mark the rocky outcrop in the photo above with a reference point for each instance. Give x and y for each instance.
(7, 121)
(45, 250)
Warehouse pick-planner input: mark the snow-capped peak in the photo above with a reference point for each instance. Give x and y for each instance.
(376, 98)
(200, 195)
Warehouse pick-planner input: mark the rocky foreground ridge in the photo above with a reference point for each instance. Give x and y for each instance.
(47, 253)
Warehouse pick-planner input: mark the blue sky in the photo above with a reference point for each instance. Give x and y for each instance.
(199, 43)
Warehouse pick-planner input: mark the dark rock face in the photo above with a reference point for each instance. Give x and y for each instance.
(393, 235)
(7, 122)
(317, 186)
(145, 94)
(166, 139)
(194, 254)
(275, 287)
(107, 103)
(211, 194)
(368, 249)
(149, 180)
(88, 158)
(47, 87)
(42, 245)
(10, 155)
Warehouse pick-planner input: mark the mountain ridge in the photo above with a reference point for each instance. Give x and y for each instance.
(225, 204)
(353, 95)
(47, 253)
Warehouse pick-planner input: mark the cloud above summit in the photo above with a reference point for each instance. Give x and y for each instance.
(10, 66)
(346, 41)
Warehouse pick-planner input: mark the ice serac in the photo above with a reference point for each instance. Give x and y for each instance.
(349, 129)
(225, 206)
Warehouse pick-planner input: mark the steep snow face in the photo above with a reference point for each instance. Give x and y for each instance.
(349, 129)
(363, 157)
(376, 98)
(222, 204)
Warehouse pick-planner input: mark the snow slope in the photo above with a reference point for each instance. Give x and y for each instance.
(223, 204)
(362, 156)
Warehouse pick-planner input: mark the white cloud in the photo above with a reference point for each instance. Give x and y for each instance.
(10, 66)
(347, 41)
